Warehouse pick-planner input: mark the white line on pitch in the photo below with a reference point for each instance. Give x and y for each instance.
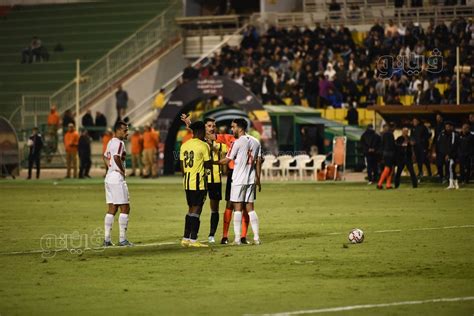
(174, 243)
(366, 306)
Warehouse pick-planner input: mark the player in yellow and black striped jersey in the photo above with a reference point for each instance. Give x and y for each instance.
(195, 159)
(214, 188)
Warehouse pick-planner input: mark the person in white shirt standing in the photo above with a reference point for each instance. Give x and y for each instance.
(246, 153)
(116, 190)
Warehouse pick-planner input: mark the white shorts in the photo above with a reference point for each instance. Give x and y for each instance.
(116, 193)
(243, 193)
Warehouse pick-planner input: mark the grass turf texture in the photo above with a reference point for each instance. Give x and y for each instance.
(299, 266)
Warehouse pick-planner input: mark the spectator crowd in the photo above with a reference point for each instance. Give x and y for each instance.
(325, 66)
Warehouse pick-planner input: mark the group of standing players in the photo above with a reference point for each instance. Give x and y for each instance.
(204, 160)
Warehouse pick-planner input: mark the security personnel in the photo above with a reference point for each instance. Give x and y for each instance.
(35, 142)
(466, 152)
(370, 142)
(448, 147)
(84, 150)
(404, 158)
(421, 135)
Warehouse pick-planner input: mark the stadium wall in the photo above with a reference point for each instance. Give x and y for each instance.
(144, 83)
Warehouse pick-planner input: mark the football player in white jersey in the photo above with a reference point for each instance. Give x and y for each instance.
(246, 153)
(116, 190)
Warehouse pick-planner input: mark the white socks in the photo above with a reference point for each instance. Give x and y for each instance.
(123, 223)
(254, 223)
(237, 225)
(108, 222)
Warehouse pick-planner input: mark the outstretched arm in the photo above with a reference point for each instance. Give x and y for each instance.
(186, 120)
(223, 161)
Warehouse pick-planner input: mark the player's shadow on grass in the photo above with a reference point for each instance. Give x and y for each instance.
(269, 237)
(145, 250)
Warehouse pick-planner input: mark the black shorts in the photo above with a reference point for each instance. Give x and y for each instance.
(196, 197)
(228, 184)
(215, 191)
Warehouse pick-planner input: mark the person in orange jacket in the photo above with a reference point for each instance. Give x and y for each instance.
(71, 141)
(136, 141)
(54, 121)
(150, 146)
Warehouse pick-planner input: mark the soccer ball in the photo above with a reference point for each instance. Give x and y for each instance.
(356, 236)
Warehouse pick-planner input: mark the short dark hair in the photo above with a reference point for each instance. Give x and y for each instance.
(240, 122)
(118, 125)
(197, 126)
(209, 119)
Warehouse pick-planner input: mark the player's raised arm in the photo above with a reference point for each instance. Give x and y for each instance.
(186, 120)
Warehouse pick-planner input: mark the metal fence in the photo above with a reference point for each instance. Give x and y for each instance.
(364, 15)
(126, 57)
(34, 110)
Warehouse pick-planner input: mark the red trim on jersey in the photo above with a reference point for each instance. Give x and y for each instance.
(120, 149)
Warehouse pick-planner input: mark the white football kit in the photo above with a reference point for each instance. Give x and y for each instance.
(244, 151)
(116, 190)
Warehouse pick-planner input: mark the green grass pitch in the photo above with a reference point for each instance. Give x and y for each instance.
(304, 262)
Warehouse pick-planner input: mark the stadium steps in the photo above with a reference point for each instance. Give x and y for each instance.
(85, 30)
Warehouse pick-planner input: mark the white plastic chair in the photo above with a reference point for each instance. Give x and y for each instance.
(268, 166)
(301, 161)
(284, 164)
(317, 165)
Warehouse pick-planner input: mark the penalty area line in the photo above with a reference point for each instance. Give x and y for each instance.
(367, 306)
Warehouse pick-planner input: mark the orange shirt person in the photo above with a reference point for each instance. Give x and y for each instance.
(136, 142)
(53, 117)
(71, 140)
(54, 121)
(151, 139)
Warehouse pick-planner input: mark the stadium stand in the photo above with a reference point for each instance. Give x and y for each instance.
(84, 30)
(326, 66)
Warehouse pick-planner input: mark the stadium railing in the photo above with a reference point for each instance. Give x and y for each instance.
(128, 56)
(143, 111)
(363, 15)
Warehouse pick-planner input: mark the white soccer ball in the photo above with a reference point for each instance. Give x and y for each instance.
(356, 236)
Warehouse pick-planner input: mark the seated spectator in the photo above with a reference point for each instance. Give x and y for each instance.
(34, 52)
(334, 98)
(391, 30)
(432, 95)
